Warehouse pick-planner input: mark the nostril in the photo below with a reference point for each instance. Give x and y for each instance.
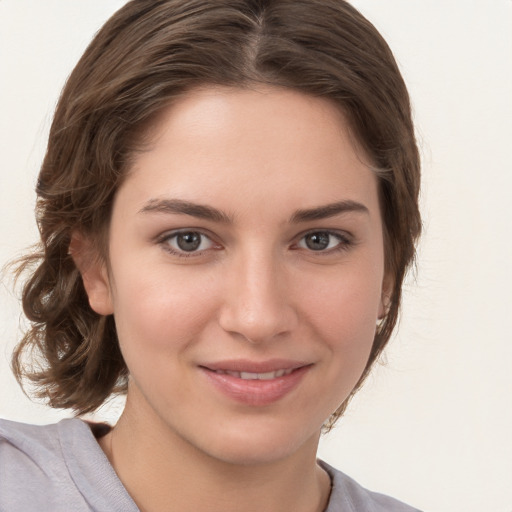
(256, 306)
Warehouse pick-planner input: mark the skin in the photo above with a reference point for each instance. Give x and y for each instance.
(254, 290)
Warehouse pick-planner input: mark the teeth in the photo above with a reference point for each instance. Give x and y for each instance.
(249, 376)
(255, 376)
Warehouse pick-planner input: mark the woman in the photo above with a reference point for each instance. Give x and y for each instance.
(227, 207)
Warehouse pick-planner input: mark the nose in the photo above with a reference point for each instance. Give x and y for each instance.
(257, 304)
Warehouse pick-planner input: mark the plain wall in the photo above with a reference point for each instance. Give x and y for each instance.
(432, 426)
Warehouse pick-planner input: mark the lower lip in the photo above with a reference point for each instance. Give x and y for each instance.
(256, 392)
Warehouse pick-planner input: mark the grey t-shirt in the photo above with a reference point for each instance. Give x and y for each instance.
(61, 468)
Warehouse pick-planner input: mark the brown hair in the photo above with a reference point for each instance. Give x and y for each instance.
(147, 55)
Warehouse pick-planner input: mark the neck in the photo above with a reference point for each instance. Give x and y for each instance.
(163, 471)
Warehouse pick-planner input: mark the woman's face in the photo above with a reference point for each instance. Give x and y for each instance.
(246, 272)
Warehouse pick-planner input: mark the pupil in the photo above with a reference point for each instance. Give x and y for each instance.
(188, 241)
(317, 241)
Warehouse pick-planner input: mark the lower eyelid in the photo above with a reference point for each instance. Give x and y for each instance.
(165, 241)
(344, 240)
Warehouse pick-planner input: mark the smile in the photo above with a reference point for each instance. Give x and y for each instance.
(255, 384)
(256, 376)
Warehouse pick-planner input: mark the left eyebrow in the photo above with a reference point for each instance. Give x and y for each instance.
(328, 210)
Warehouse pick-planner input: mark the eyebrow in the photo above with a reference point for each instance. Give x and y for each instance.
(201, 211)
(328, 210)
(186, 208)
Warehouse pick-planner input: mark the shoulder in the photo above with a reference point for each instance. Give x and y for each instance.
(348, 495)
(32, 466)
(14, 432)
(40, 443)
(56, 468)
(28, 446)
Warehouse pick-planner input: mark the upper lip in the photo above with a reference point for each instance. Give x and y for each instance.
(245, 365)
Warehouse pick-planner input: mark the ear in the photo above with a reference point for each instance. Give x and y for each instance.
(385, 297)
(94, 273)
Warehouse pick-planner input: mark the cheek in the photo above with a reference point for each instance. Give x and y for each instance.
(161, 309)
(339, 315)
(345, 310)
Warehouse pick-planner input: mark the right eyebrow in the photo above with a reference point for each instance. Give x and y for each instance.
(182, 207)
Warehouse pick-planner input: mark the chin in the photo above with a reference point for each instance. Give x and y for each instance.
(258, 443)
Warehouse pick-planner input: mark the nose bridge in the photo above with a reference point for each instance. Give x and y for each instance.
(256, 305)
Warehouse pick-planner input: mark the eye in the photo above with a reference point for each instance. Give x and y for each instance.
(187, 242)
(323, 241)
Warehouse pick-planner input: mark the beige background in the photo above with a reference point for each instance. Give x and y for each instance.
(433, 425)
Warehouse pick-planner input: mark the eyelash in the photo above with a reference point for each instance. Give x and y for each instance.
(165, 240)
(345, 242)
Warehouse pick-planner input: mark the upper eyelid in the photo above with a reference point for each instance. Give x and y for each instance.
(346, 241)
(165, 235)
(341, 233)
(168, 235)
(164, 238)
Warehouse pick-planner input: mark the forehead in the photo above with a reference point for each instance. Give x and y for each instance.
(220, 144)
(233, 113)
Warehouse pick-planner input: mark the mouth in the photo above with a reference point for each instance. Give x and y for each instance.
(255, 384)
(256, 376)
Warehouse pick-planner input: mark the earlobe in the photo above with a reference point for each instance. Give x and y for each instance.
(94, 274)
(383, 307)
(385, 298)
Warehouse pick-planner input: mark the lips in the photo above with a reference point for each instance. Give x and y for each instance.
(255, 376)
(255, 383)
